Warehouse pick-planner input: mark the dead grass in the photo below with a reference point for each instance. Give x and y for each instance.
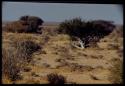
(120, 52)
(97, 56)
(16, 26)
(116, 76)
(117, 32)
(32, 81)
(11, 64)
(16, 54)
(49, 31)
(26, 48)
(113, 46)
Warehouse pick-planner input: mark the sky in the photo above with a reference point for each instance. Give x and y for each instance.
(58, 12)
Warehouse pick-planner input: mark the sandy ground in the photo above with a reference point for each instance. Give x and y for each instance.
(88, 66)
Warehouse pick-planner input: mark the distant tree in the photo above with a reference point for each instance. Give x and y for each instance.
(26, 24)
(33, 22)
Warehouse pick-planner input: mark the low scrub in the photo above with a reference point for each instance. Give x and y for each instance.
(26, 47)
(54, 78)
(11, 64)
(16, 55)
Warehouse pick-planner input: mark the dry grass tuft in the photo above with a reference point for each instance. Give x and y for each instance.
(16, 54)
(50, 31)
(113, 46)
(11, 64)
(26, 46)
(117, 72)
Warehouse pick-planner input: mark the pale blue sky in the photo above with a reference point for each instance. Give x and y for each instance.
(61, 11)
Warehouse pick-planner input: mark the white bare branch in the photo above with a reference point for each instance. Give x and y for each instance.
(78, 43)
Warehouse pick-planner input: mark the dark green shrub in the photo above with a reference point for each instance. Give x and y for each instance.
(33, 22)
(71, 27)
(90, 31)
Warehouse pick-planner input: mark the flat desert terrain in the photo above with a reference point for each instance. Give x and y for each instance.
(91, 65)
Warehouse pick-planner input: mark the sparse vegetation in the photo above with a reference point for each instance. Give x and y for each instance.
(116, 76)
(11, 64)
(26, 48)
(16, 55)
(54, 78)
(113, 46)
(29, 57)
(26, 24)
(75, 67)
(49, 31)
(120, 52)
(117, 32)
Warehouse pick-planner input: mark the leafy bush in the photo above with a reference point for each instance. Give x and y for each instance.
(71, 27)
(90, 31)
(56, 79)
